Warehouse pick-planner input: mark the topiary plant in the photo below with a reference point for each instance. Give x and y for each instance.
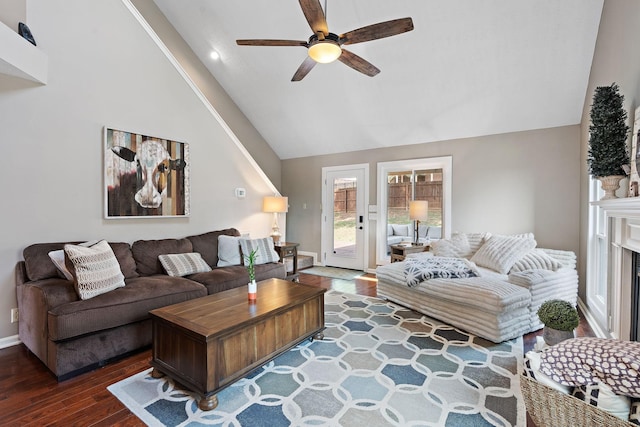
(607, 133)
(559, 315)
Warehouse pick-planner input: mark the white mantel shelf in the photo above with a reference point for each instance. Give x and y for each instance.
(20, 58)
(623, 207)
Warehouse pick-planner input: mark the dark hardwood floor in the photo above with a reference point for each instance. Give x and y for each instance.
(31, 396)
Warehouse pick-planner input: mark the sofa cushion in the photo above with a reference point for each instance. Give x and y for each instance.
(39, 265)
(264, 247)
(207, 244)
(37, 262)
(229, 252)
(500, 253)
(400, 229)
(123, 254)
(146, 253)
(95, 269)
(223, 278)
(121, 306)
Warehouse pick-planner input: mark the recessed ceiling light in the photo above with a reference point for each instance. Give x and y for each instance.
(214, 55)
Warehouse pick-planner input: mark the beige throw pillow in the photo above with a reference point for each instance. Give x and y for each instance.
(178, 265)
(95, 269)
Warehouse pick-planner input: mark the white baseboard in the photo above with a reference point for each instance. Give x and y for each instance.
(313, 255)
(592, 321)
(9, 341)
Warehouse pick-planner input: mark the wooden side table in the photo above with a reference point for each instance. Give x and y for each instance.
(289, 250)
(400, 252)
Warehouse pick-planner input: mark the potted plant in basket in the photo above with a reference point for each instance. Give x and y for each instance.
(608, 131)
(251, 269)
(560, 319)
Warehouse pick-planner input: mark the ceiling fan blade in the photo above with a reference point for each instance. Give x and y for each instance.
(312, 10)
(303, 69)
(358, 64)
(266, 42)
(377, 31)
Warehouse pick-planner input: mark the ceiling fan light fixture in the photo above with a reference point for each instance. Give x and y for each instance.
(324, 51)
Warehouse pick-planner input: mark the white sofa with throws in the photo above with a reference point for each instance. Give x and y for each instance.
(489, 285)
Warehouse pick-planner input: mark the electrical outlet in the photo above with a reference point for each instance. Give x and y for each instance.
(14, 315)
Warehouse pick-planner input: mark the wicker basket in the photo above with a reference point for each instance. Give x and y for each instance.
(550, 408)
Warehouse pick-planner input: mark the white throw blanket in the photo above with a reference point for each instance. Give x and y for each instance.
(418, 270)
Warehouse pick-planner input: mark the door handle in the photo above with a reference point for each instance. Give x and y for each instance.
(361, 219)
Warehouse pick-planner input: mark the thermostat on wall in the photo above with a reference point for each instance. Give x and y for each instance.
(241, 193)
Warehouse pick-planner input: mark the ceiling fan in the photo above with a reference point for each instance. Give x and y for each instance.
(325, 47)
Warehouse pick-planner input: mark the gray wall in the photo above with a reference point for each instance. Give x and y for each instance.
(105, 70)
(510, 183)
(616, 59)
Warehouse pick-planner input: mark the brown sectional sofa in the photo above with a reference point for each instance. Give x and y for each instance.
(72, 336)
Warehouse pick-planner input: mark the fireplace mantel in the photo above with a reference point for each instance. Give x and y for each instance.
(616, 237)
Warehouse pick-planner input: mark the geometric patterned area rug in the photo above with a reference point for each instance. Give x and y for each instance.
(379, 365)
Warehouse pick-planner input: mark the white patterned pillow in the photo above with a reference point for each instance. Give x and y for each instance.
(266, 253)
(500, 253)
(536, 259)
(95, 269)
(229, 251)
(456, 247)
(603, 397)
(179, 265)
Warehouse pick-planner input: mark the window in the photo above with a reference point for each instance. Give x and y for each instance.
(417, 179)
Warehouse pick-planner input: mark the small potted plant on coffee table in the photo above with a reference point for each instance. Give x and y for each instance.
(251, 269)
(560, 320)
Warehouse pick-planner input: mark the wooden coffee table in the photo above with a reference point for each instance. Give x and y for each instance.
(207, 343)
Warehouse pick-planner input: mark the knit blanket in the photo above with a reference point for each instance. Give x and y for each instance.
(418, 270)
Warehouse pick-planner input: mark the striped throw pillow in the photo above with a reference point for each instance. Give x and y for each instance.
(266, 253)
(179, 265)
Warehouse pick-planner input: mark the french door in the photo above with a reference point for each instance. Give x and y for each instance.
(344, 226)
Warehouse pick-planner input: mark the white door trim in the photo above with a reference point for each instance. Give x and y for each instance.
(444, 163)
(325, 237)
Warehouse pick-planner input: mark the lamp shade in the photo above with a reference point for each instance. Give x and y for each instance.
(275, 204)
(418, 210)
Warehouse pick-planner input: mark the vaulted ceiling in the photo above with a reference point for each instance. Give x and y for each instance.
(469, 68)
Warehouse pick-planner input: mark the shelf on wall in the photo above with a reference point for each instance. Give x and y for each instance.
(20, 58)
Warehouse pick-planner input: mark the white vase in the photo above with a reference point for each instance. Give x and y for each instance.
(253, 290)
(610, 184)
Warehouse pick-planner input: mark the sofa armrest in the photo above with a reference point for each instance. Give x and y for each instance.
(35, 299)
